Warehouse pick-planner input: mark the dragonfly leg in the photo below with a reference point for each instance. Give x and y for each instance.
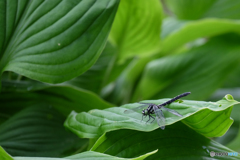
(152, 118)
(149, 118)
(142, 118)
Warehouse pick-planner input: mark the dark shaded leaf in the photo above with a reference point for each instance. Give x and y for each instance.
(177, 142)
(38, 131)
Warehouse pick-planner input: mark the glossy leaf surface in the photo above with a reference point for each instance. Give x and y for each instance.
(32, 132)
(200, 70)
(62, 97)
(4, 155)
(176, 142)
(178, 33)
(136, 28)
(53, 41)
(203, 117)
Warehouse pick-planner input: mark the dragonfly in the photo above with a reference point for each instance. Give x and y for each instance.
(157, 110)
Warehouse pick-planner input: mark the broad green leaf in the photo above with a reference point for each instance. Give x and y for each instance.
(201, 70)
(22, 86)
(189, 9)
(183, 32)
(124, 85)
(234, 144)
(224, 9)
(230, 137)
(211, 119)
(96, 77)
(177, 142)
(194, 9)
(62, 97)
(53, 41)
(89, 155)
(4, 155)
(136, 28)
(233, 78)
(38, 131)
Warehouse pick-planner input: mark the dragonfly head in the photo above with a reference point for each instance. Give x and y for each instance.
(145, 112)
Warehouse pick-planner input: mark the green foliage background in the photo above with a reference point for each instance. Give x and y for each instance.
(69, 69)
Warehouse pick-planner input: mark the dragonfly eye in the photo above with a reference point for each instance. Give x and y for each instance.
(144, 112)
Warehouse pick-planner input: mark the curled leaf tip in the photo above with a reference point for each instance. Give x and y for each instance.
(228, 97)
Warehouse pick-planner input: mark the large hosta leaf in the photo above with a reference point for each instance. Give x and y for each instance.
(201, 70)
(176, 33)
(96, 77)
(4, 155)
(177, 142)
(194, 9)
(211, 119)
(136, 28)
(62, 97)
(182, 8)
(95, 155)
(89, 155)
(81, 156)
(53, 41)
(123, 87)
(38, 131)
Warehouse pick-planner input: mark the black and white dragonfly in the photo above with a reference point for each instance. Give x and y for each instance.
(157, 110)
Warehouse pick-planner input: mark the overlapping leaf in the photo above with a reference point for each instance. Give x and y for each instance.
(53, 41)
(38, 131)
(81, 156)
(208, 118)
(136, 28)
(177, 33)
(96, 77)
(4, 155)
(175, 142)
(194, 9)
(201, 70)
(123, 87)
(89, 155)
(62, 97)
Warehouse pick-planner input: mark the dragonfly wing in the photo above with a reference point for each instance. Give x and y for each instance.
(160, 117)
(173, 111)
(135, 109)
(145, 103)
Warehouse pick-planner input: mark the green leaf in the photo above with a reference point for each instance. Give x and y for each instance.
(38, 131)
(4, 155)
(89, 155)
(189, 9)
(175, 142)
(96, 77)
(224, 9)
(194, 9)
(231, 136)
(201, 70)
(22, 86)
(234, 144)
(188, 31)
(208, 118)
(53, 41)
(124, 85)
(136, 28)
(63, 98)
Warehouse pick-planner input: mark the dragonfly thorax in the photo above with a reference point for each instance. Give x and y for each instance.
(148, 111)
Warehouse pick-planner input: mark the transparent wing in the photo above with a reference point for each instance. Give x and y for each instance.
(173, 111)
(160, 117)
(135, 109)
